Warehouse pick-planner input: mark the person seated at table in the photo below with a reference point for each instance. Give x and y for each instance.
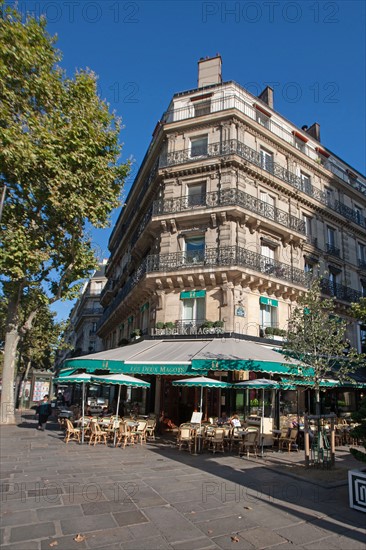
(235, 421)
(223, 419)
(166, 422)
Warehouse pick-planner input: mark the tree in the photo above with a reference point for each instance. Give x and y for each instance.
(38, 346)
(359, 310)
(317, 337)
(60, 174)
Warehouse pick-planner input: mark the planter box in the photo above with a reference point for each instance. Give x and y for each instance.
(357, 489)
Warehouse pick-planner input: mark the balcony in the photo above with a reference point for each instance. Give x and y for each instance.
(339, 291)
(333, 250)
(229, 197)
(312, 240)
(235, 147)
(225, 257)
(234, 101)
(350, 214)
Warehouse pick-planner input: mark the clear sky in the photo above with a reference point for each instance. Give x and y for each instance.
(311, 52)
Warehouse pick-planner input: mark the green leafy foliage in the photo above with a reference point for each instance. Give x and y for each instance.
(317, 337)
(359, 310)
(59, 173)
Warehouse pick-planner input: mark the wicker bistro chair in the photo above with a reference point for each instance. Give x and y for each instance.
(124, 435)
(281, 437)
(216, 442)
(250, 442)
(150, 428)
(185, 437)
(112, 427)
(71, 432)
(290, 440)
(97, 434)
(140, 431)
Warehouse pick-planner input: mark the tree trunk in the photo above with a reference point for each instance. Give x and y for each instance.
(317, 402)
(7, 410)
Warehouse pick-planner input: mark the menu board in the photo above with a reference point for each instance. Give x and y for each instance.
(40, 389)
(196, 418)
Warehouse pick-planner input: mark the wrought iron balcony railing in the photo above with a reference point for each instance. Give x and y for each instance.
(226, 256)
(350, 214)
(333, 250)
(339, 291)
(312, 240)
(236, 147)
(131, 282)
(229, 197)
(234, 101)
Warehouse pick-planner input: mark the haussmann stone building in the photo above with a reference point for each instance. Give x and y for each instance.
(232, 208)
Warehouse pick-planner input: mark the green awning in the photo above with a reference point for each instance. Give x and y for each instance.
(269, 367)
(325, 383)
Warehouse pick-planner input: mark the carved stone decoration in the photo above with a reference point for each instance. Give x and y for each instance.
(173, 226)
(163, 226)
(213, 220)
(160, 299)
(170, 283)
(180, 282)
(190, 281)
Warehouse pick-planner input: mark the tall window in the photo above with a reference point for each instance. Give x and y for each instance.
(267, 160)
(331, 238)
(305, 181)
(193, 310)
(269, 204)
(199, 146)
(308, 227)
(333, 282)
(196, 194)
(269, 253)
(195, 249)
(268, 316)
(359, 216)
(362, 254)
(329, 195)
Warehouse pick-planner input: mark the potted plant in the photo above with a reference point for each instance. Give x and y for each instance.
(218, 327)
(136, 333)
(169, 325)
(159, 325)
(357, 477)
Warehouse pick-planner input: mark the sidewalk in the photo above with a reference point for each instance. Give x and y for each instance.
(153, 496)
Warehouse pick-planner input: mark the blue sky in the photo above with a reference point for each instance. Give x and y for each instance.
(312, 52)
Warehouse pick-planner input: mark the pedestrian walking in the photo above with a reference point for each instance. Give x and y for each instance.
(44, 411)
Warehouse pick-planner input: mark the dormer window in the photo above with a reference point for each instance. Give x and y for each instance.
(262, 116)
(300, 141)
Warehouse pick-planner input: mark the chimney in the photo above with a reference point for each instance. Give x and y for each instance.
(314, 131)
(209, 71)
(267, 96)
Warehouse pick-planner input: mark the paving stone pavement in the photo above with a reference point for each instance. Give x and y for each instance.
(156, 497)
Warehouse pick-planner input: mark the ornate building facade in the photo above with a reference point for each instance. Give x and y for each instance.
(231, 211)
